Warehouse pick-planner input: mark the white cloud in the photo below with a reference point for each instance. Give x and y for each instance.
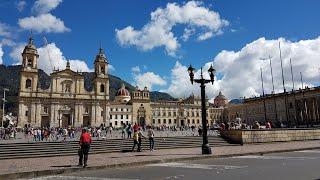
(58, 60)
(20, 5)
(111, 67)
(158, 32)
(205, 36)
(45, 6)
(1, 54)
(239, 72)
(187, 33)
(147, 79)
(43, 23)
(135, 69)
(5, 30)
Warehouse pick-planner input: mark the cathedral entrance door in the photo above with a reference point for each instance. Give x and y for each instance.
(45, 121)
(66, 120)
(142, 121)
(86, 121)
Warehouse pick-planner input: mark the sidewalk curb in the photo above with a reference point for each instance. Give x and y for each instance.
(34, 174)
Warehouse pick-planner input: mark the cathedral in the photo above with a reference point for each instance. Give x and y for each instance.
(67, 103)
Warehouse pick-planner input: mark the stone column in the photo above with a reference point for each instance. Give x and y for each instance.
(93, 114)
(38, 114)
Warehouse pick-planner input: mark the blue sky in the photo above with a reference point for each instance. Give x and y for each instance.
(89, 23)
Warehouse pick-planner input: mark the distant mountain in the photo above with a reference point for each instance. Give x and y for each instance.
(236, 101)
(10, 78)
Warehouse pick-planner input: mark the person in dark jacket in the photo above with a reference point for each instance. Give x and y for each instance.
(85, 142)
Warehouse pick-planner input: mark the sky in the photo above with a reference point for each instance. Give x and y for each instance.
(152, 43)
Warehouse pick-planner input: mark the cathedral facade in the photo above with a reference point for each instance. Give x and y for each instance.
(66, 102)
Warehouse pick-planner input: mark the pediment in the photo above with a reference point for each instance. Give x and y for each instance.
(66, 73)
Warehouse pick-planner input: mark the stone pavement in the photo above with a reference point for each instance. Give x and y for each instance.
(31, 167)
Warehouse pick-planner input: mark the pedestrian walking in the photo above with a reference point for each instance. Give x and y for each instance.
(135, 140)
(129, 131)
(140, 136)
(85, 142)
(151, 138)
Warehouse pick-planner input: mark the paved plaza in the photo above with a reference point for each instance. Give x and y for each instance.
(67, 164)
(277, 166)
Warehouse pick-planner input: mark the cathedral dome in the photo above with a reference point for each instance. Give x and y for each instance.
(123, 95)
(220, 97)
(123, 91)
(220, 100)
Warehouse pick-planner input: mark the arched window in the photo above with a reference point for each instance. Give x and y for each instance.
(102, 70)
(28, 83)
(101, 88)
(29, 62)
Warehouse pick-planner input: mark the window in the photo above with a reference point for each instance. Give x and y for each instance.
(193, 121)
(153, 121)
(116, 109)
(175, 121)
(101, 88)
(121, 109)
(86, 110)
(45, 110)
(110, 116)
(121, 122)
(198, 121)
(174, 114)
(102, 70)
(101, 113)
(116, 123)
(26, 113)
(127, 116)
(188, 121)
(29, 63)
(169, 113)
(116, 117)
(159, 121)
(169, 121)
(121, 116)
(164, 121)
(28, 83)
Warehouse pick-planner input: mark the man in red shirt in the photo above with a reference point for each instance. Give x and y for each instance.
(85, 142)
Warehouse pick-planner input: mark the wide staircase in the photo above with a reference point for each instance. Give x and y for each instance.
(49, 149)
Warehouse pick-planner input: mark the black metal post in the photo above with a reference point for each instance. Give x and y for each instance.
(205, 145)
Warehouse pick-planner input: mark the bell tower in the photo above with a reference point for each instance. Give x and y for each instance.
(29, 71)
(101, 80)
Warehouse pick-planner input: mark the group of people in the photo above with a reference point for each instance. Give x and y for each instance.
(8, 133)
(49, 134)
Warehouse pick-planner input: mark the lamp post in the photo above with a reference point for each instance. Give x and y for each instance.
(3, 104)
(205, 145)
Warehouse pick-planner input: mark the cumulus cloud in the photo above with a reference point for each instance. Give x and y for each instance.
(20, 5)
(51, 51)
(45, 6)
(239, 71)
(43, 23)
(158, 32)
(147, 79)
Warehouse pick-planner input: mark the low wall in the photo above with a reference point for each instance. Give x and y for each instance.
(272, 135)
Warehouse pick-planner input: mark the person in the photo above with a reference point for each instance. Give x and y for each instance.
(123, 133)
(129, 131)
(268, 125)
(151, 138)
(85, 142)
(135, 140)
(140, 136)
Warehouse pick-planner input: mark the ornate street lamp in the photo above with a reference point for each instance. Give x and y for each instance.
(205, 146)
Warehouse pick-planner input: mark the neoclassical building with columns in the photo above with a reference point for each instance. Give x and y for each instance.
(67, 103)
